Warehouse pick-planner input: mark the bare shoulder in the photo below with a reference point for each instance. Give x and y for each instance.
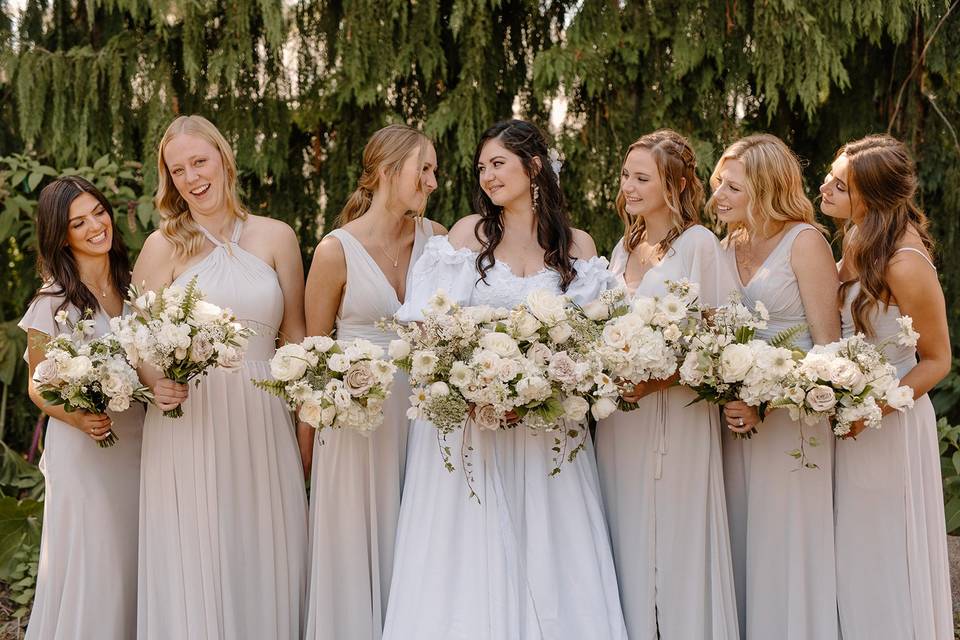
(438, 229)
(583, 247)
(270, 228)
(810, 239)
(157, 246)
(462, 233)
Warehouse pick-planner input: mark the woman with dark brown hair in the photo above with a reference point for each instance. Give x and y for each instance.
(892, 569)
(87, 582)
(660, 464)
(532, 559)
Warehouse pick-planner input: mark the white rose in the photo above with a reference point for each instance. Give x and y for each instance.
(614, 336)
(560, 333)
(328, 415)
(398, 349)
(320, 344)
(735, 362)
(507, 369)
(575, 408)
(338, 362)
(119, 403)
(526, 324)
(204, 312)
(486, 417)
(899, 398)
(549, 308)
(311, 413)
(112, 385)
(501, 344)
(643, 308)
(596, 310)
(602, 408)
(847, 374)
(821, 398)
(289, 362)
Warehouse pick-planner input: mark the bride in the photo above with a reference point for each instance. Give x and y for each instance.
(532, 558)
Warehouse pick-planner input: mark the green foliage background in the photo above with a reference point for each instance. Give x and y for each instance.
(298, 86)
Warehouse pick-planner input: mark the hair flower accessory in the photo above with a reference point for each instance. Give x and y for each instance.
(556, 162)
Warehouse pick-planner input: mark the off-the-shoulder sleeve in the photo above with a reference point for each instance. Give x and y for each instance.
(708, 266)
(593, 277)
(618, 260)
(440, 266)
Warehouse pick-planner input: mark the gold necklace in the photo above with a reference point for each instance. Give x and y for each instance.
(94, 289)
(395, 259)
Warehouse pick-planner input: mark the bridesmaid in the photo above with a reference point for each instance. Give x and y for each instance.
(892, 569)
(660, 465)
(87, 582)
(360, 274)
(780, 514)
(223, 512)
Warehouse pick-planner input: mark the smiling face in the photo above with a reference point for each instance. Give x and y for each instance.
(503, 177)
(89, 228)
(197, 172)
(416, 180)
(836, 199)
(731, 200)
(641, 185)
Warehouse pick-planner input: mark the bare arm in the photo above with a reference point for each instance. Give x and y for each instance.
(817, 278)
(97, 426)
(583, 247)
(289, 266)
(916, 288)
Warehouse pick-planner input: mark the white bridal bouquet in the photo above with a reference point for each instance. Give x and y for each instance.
(724, 361)
(90, 374)
(847, 381)
(180, 333)
(333, 384)
(644, 338)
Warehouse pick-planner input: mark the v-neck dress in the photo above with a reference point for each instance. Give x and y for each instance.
(358, 478)
(87, 576)
(662, 479)
(780, 514)
(223, 510)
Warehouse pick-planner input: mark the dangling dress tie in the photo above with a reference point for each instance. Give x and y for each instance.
(660, 438)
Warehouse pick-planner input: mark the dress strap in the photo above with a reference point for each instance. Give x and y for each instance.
(234, 237)
(918, 252)
(212, 238)
(237, 232)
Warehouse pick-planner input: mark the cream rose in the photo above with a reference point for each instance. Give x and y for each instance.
(549, 308)
(501, 344)
(847, 374)
(560, 333)
(575, 408)
(486, 417)
(821, 398)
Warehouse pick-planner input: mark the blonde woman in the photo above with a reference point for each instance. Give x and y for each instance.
(660, 467)
(780, 512)
(893, 578)
(360, 274)
(223, 513)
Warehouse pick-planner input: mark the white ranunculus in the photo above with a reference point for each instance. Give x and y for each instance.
(899, 398)
(205, 312)
(560, 333)
(735, 362)
(501, 344)
(548, 307)
(338, 362)
(487, 417)
(320, 344)
(289, 363)
(398, 349)
(596, 310)
(602, 408)
(821, 398)
(575, 408)
(439, 388)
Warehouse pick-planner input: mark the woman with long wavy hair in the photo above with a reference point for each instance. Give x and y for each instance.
(87, 579)
(892, 569)
(530, 558)
(660, 465)
(360, 274)
(780, 509)
(223, 511)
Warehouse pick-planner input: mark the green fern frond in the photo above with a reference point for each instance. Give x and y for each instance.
(785, 338)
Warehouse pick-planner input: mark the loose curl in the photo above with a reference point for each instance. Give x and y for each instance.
(774, 185)
(682, 189)
(176, 223)
(55, 260)
(387, 149)
(882, 175)
(554, 234)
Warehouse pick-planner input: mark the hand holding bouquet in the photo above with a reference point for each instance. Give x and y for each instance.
(178, 332)
(88, 374)
(339, 385)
